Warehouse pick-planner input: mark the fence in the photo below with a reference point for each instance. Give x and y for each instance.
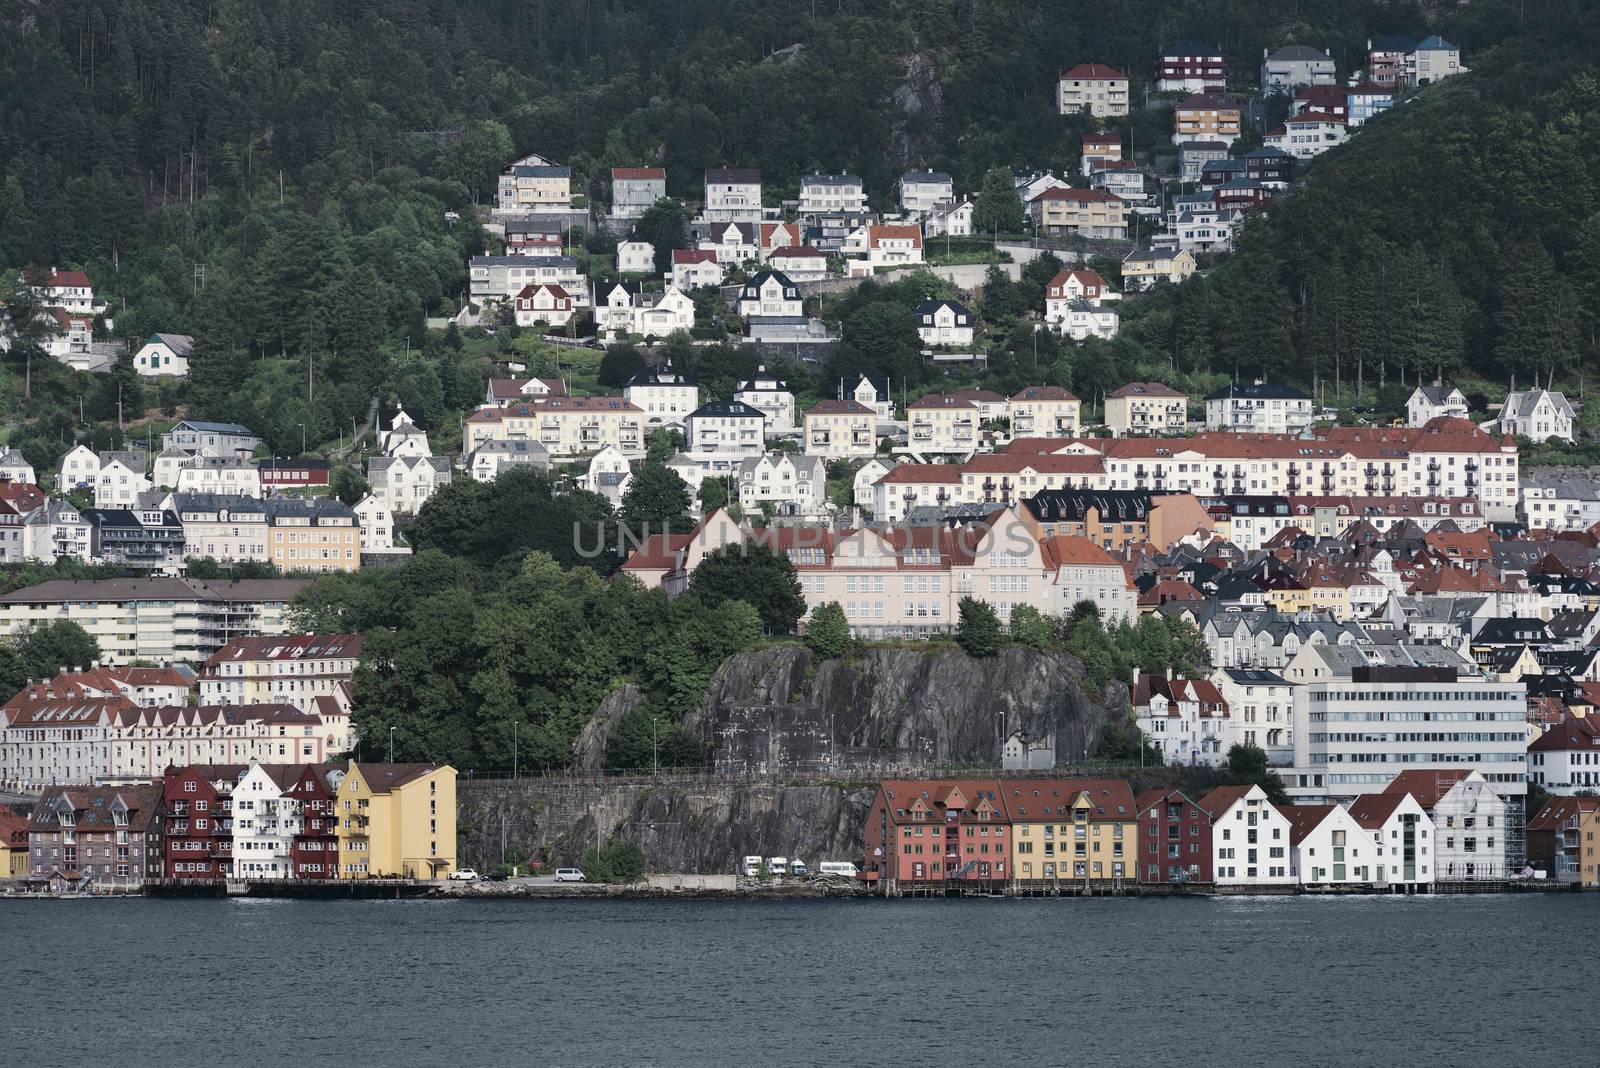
(868, 772)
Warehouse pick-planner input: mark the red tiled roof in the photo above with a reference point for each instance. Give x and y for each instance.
(830, 406)
(693, 255)
(1572, 733)
(1093, 72)
(1145, 389)
(888, 231)
(1373, 810)
(922, 473)
(1303, 819)
(626, 173)
(1558, 810)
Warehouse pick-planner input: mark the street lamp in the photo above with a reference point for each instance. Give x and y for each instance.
(655, 756)
(302, 439)
(391, 745)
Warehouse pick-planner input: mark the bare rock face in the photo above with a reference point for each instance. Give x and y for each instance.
(775, 709)
(916, 105)
(589, 749)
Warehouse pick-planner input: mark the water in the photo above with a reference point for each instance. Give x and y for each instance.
(1241, 981)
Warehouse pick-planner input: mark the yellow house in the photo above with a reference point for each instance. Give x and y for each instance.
(397, 821)
(1045, 412)
(13, 844)
(1072, 830)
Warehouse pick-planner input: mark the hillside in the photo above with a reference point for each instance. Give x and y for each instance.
(292, 182)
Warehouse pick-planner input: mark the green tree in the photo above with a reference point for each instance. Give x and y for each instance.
(978, 628)
(619, 365)
(751, 572)
(656, 500)
(1247, 765)
(713, 494)
(997, 207)
(828, 631)
(1032, 628)
(1125, 743)
(618, 861)
(348, 484)
(665, 224)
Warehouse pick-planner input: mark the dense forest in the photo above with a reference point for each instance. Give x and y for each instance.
(291, 182)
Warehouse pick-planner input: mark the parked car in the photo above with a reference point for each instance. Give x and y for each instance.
(496, 876)
(464, 875)
(569, 875)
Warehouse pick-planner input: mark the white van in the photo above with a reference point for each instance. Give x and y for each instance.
(778, 865)
(569, 875)
(838, 867)
(752, 867)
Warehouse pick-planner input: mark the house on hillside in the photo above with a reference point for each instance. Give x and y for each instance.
(944, 322)
(1093, 89)
(164, 354)
(1537, 414)
(1191, 67)
(733, 194)
(1428, 403)
(1293, 66)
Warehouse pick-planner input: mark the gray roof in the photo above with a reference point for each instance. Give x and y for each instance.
(381, 464)
(180, 344)
(726, 410)
(215, 428)
(315, 509)
(511, 447)
(1257, 391)
(927, 178)
(1523, 402)
(1436, 394)
(830, 180)
(1300, 53)
(551, 171)
(799, 460)
(134, 461)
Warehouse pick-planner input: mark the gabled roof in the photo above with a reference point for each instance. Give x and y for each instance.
(1372, 811)
(1303, 819)
(1093, 72)
(1297, 52)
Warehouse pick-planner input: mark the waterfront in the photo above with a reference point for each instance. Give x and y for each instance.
(1238, 981)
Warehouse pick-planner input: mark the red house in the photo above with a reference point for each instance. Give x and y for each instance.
(199, 820)
(938, 836)
(314, 852)
(1174, 839)
(297, 471)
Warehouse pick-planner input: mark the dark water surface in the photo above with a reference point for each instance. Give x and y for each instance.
(1506, 980)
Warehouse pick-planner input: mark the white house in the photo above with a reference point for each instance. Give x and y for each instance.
(120, 481)
(1070, 287)
(883, 245)
(1433, 60)
(636, 257)
(696, 268)
(663, 394)
(77, 469)
(944, 322)
(770, 293)
(218, 474)
(769, 395)
(1085, 320)
(265, 823)
(608, 475)
(922, 191)
(1402, 837)
(951, 219)
(546, 303)
(801, 263)
(404, 437)
(794, 485)
(1309, 134)
(1250, 838)
(1186, 719)
(635, 189)
(489, 459)
(733, 194)
(1328, 847)
(1428, 403)
(733, 242)
(14, 467)
(55, 530)
(614, 305)
(1468, 818)
(1537, 414)
(405, 483)
(724, 428)
(1558, 502)
(875, 395)
(825, 193)
(376, 521)
(164, 354)
(664, 313)
(1293, 66)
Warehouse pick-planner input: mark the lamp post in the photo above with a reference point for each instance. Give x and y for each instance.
(655, 757)
(391, 745)
(302, 439)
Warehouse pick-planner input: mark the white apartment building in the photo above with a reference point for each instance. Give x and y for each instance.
(725, 429)
(733, 194)
(665, 396)
(822, 194)
(55, 530)
(120, 480)
(1260, 710)
(1354, 734)
(1329, 848)
(1259, 408)
(264, 823)
(77, 469)
(218, 474)
(1082, 320)
(1092, 88)
(769, 395)
(1403, 839)
(1559, 502)
(635, 189)
(793, 485)
(376, 520)
(500, 278)
(883, 245)
(1146, 408)
(922, 191)
(406, 483)
(565, 426)
(1308, 134)
(1250, 838)
(155, 619)
(1186, 719)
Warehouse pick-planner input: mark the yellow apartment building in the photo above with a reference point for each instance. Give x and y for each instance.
(312, 534)
(1072, 830)
(1045, 412)
(565, 426)
(397, 821)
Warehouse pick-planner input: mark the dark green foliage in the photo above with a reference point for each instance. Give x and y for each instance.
(486, 522)
(665, 224)
(348, 484)
(713, 494)
(1124, 742)
(752, 573)
(1247, 764)
(1031, 628)
(828, 631)
(42, 651)
(618, 861)
(656, 500)
(997, 208)
(618, 365)
(978, 628)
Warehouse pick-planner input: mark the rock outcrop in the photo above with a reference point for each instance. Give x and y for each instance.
(795, 748)
(776, 709)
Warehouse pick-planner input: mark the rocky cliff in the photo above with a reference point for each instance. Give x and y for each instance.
(778, 708)
(794, 747)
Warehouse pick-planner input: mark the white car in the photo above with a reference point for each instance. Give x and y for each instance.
(569, 875)
(464, 875)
